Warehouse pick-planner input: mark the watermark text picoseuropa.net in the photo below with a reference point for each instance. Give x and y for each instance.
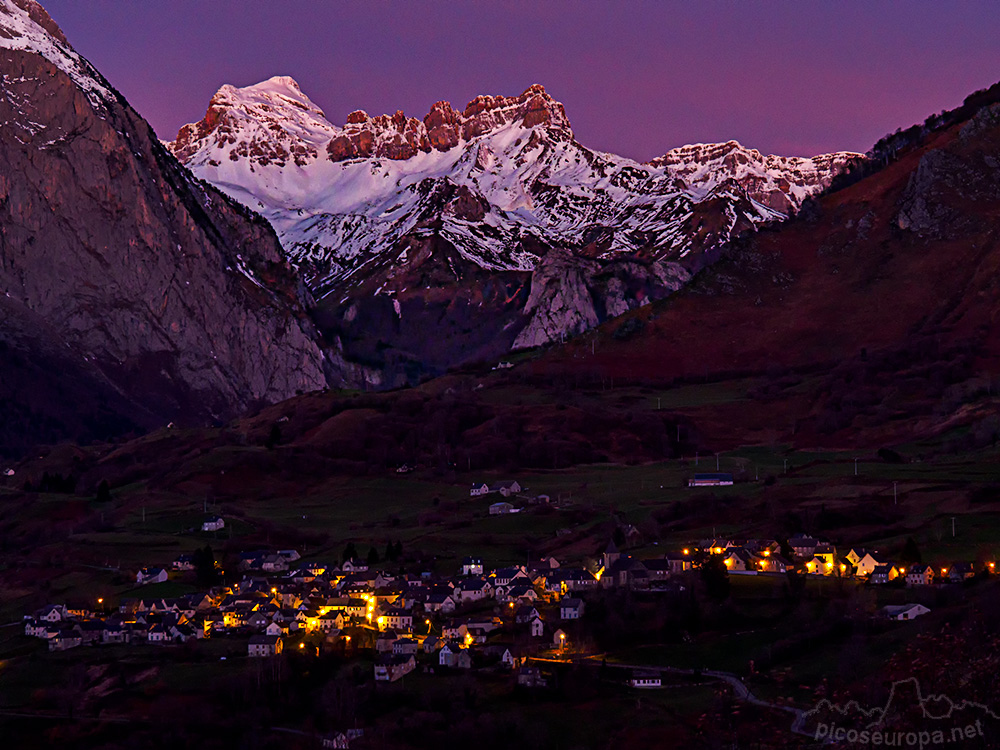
(908, 719)
(895, 738)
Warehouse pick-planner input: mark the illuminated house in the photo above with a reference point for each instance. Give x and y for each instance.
(265, 645)
(472, 566)
(920, 575)
(884, 574)
(867, 564)
(803, 546)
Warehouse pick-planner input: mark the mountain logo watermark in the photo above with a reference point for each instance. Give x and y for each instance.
(908, 719)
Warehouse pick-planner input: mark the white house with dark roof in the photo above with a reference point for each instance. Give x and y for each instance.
(904, 611)
(472, 566)
(920, 575)
(151, 575)
(264, 645)
(213, 523)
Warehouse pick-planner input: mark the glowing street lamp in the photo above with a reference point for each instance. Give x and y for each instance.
(562, 641)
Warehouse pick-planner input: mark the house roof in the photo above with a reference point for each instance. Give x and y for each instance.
(895, 609)
(264, 640)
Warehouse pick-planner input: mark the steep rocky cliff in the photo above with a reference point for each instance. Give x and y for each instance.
(175, 296)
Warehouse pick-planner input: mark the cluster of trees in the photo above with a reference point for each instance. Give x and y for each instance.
(889, 147)
(54, 482)
(393, 553)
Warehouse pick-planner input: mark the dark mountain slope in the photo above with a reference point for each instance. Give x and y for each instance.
(152, 284)
(883, 293)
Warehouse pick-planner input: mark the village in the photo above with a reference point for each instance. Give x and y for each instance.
(496, 618)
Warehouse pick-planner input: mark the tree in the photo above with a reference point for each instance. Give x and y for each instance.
(104, 492)
(373, 556)
(786, 549)
(796, 583)
(350, 552)
(273, 437)
(911, 553)
(715, 576)
(390, 552)
(204, 566)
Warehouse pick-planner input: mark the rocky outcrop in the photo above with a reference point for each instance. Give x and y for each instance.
(570, 294)
(398, 137)
(178, 296)
(922, 209)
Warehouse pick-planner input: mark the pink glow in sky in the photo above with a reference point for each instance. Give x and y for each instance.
(636, 78)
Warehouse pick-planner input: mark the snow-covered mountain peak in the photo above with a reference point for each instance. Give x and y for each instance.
(488, 189)
(779, 182)
(271, 122)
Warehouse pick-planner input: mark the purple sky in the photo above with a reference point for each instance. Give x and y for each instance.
(637, 78)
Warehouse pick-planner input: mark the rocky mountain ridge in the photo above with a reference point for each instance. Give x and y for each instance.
(383, 205)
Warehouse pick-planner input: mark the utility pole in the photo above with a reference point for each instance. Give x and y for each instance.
(696, 458)
(895, 500)
(785, 470)
(953, 526)
(855, 467)
(716, 461)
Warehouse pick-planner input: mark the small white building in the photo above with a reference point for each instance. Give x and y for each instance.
(500, 509)
(537, 627)
(213, 523)
(645, 679)
(904, 611)
(472, 566)
(151, 575)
